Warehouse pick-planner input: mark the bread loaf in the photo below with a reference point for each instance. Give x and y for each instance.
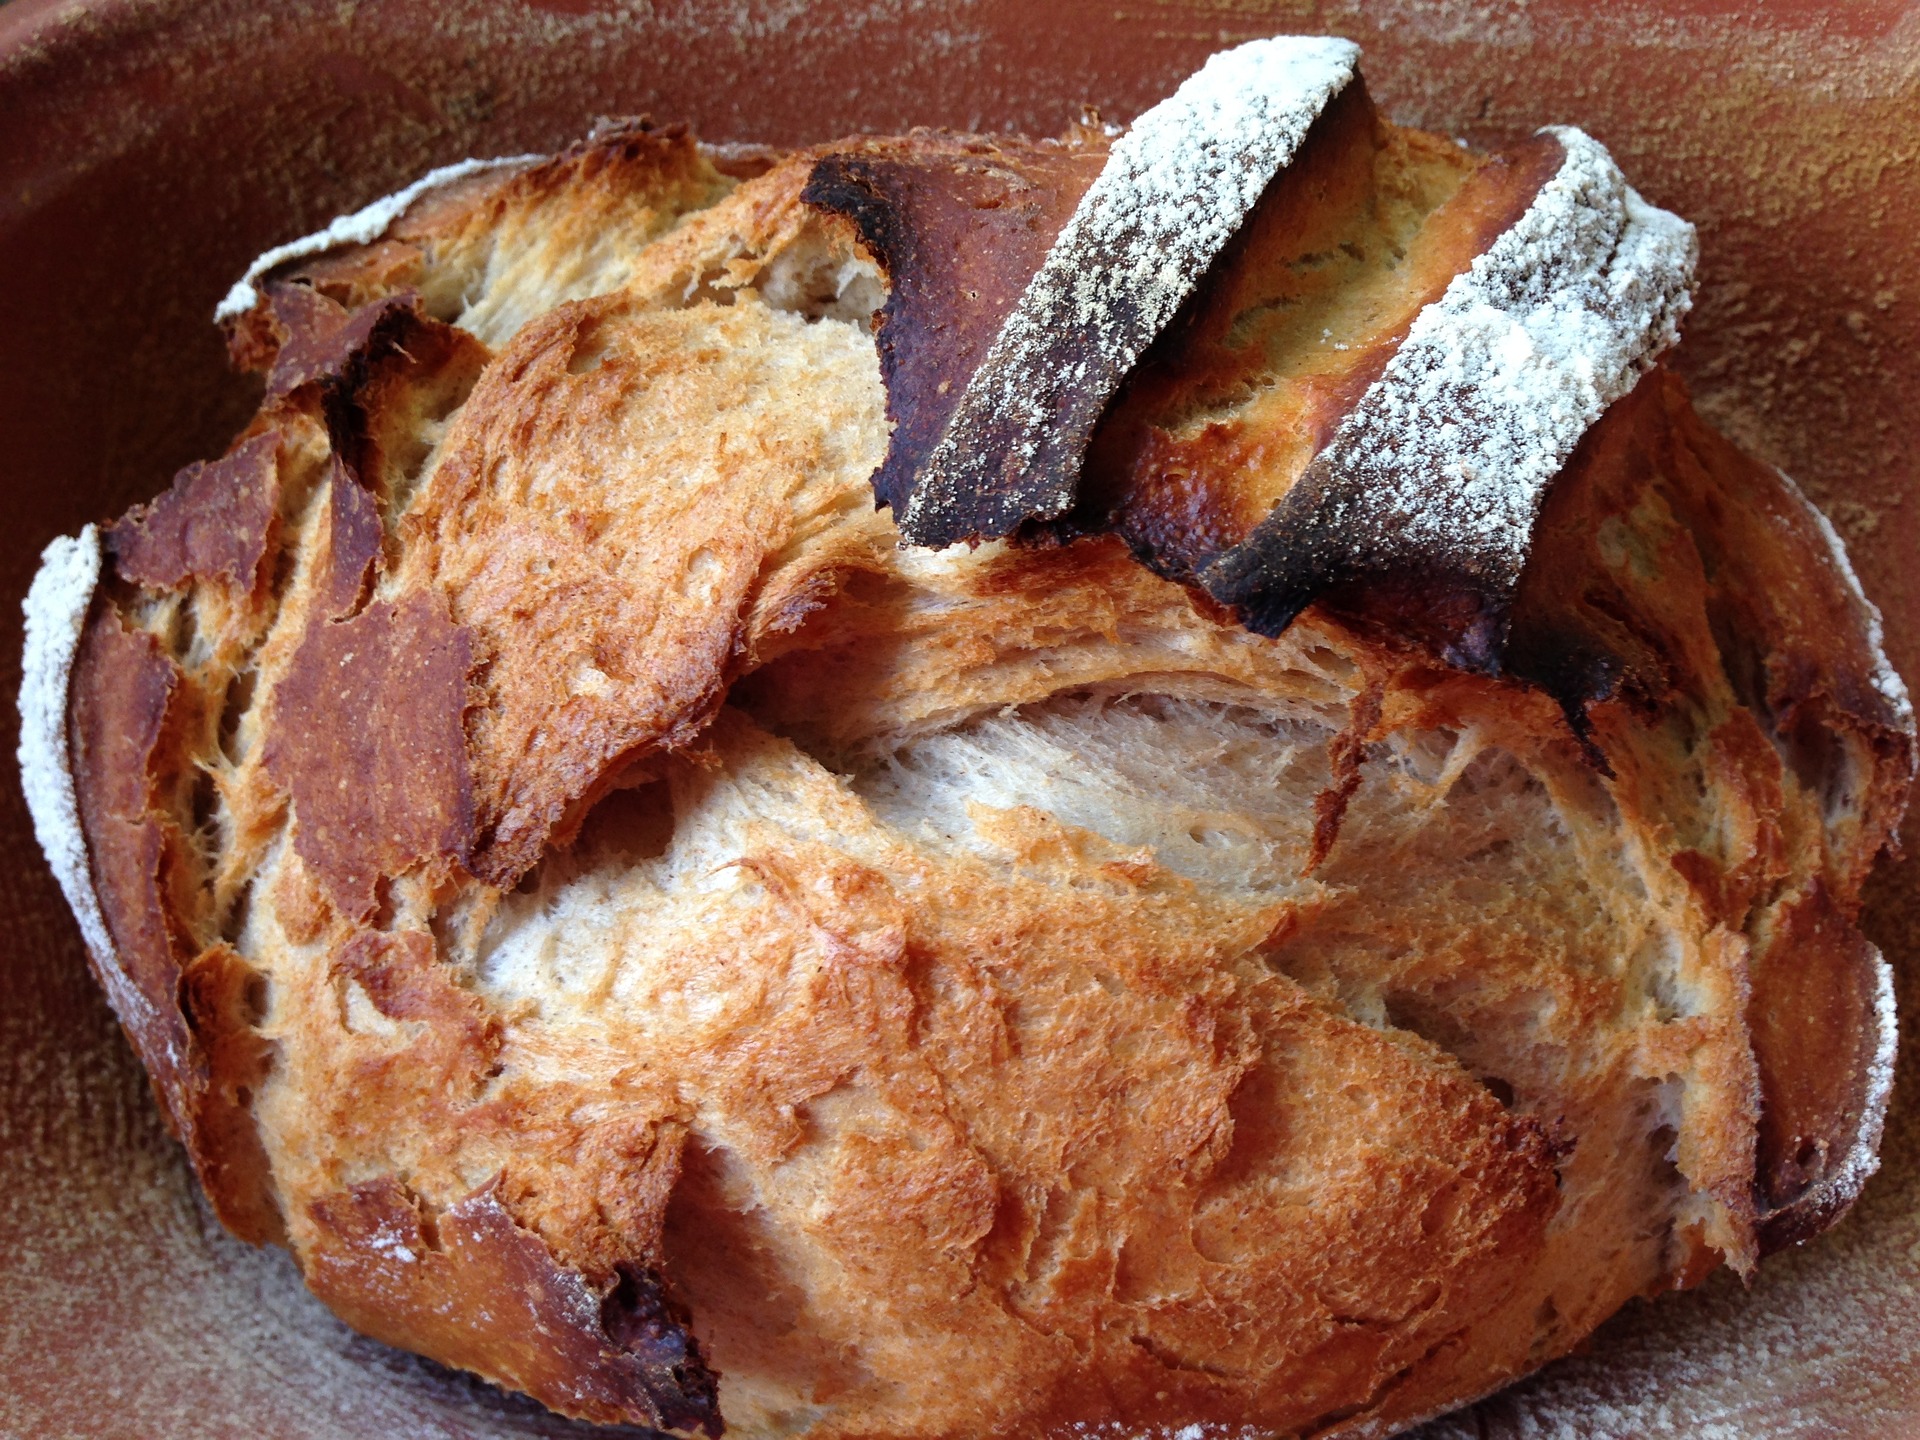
(1345, 877)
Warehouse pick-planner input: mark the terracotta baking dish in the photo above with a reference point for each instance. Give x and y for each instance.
(148, 148)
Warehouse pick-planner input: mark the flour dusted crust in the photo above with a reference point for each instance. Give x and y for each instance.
(1174, 191)
(637, 931)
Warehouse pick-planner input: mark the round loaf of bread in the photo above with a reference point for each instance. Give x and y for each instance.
(1345, 878)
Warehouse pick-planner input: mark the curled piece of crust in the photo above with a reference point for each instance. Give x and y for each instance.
(360, 227)
(56, 614)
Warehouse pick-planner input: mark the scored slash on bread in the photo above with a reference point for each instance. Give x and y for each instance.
(1553, 321)
(638, 932)
(1561, 286)
(1173, 193)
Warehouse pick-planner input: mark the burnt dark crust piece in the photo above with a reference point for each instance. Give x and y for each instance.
(960, 224)
(1119, 272)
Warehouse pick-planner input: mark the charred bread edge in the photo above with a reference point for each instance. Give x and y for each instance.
(361, 227)
(1175, 189)
(56, 615)
(954, 270)
(1555, 320)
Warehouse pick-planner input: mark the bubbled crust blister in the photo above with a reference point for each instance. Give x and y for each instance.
(576, 589)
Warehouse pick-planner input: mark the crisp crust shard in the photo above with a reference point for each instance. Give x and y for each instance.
(320, 339)
(391, 790)
(1862, 616)
(213, 522)
(85, 708)
(56, 615)
(512, 238)
(1174, 191)
(1800, 652)
(960, 224)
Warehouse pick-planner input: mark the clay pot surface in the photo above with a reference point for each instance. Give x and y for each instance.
(149, 148)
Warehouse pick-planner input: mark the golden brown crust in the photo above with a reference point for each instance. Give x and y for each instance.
(630, 904)
(391, 791)
(473, 1288)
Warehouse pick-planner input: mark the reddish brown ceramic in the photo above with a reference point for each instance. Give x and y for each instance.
(148, 148)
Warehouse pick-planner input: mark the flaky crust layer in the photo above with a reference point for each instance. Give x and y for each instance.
(639, 934)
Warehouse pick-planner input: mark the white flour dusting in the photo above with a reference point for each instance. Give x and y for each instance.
(362, 227)
(56, 611)
(1451, 450)
(1176, 187)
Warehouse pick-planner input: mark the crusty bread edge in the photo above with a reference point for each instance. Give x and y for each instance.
(359, 227)
(1886, 679)
(1828, 1201)
(56, 615)
(1824, 1205)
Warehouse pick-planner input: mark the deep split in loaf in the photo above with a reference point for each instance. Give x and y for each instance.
(1356, 881)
